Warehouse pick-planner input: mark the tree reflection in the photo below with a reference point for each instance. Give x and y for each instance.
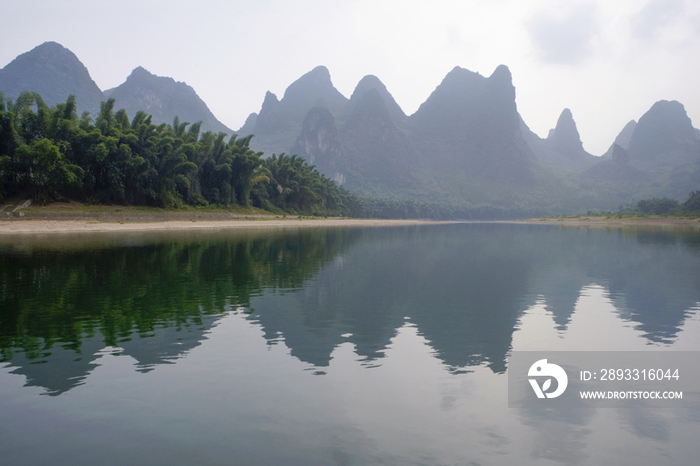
(464, 286)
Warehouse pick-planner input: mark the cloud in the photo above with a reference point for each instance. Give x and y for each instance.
(564, 36)
(649, 22)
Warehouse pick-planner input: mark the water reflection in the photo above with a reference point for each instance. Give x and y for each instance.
(154, 297)
(334, 346)
(464, 287)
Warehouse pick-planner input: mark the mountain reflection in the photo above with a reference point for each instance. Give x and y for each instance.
(156, 298)
(463, 286)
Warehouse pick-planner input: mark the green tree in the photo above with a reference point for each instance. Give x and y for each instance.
(44, 170)
(692, 204)
(658, 206)
(51, 152)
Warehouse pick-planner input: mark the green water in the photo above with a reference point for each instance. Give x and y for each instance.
(334, 345)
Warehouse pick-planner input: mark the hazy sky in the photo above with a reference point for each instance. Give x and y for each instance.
(608, 61)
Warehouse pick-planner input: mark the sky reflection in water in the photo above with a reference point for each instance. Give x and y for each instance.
(352, 346)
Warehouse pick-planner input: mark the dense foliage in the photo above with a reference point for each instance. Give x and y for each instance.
(664, 206)
(692, 204)
(51, 153)
(658, 206)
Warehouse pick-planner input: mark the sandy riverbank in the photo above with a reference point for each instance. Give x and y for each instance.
(38, 226)
(43, 226)
(605, 221)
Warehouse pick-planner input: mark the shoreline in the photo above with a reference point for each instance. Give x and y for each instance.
(93, 224)
(598, 222)
(43, 226)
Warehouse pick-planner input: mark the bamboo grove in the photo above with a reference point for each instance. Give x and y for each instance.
(50, 153)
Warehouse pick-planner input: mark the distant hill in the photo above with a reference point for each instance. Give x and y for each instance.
(665, 145)
(622, 139)
(662, 157)
(470, 125)
(566, 140)
(664, 136)
(468, 129)
(54, 72)
(164, 98)
(562, 149)
(379, 157)
(280, 122)
(360, 142)
(371, 82)
(466, 145)
(617, 170)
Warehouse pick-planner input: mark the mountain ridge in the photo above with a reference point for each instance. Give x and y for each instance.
(164, 99)
(466, 144)
(664, 135)
(471, 123)
(54, 72)
(475, 148)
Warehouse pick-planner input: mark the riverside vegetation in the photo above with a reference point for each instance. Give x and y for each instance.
(664, 207)
(50, 153)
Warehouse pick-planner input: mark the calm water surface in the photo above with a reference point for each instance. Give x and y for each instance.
(333, 346)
